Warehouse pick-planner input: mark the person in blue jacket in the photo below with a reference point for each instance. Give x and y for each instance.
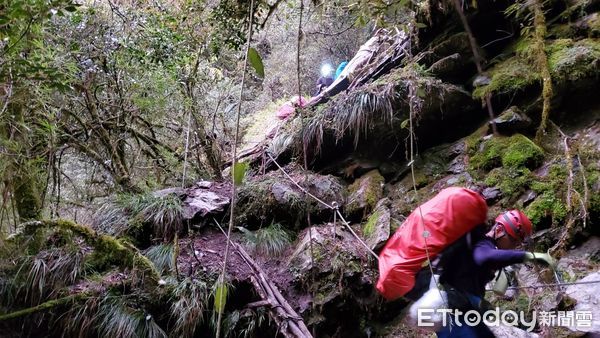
(340, 69)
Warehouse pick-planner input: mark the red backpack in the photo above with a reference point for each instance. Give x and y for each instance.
(448, 216)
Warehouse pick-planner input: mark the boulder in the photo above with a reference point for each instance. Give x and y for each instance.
(511, 121)
(588, 304)
(343, 276)
(365, 192)
(376, 230)
(578, 262)
(201, 199)
(274, 197)
(491, 194)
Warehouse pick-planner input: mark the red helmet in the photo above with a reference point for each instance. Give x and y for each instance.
(516, 224)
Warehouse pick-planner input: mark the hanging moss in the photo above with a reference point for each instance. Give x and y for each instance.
(541, 62)
(513, 152)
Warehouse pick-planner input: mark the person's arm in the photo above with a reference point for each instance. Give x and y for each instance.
(485, 253)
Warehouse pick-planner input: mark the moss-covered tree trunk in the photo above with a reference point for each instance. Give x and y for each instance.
(23, 164)
(541, 60)
(27, 196)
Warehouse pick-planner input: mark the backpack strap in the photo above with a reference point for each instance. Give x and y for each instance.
(469, 239)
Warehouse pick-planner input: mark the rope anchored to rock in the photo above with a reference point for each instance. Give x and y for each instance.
(333, 206)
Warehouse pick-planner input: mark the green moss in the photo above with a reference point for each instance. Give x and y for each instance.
(513, 152)
(369, 227)
(562, 31)
(572, 60)
(557, 175)
(554, 182)
(508, 76)
(369, 186)
(520, 152)
(512, 182)
(539, 186)
(547, 205)
(473, 141)
(568, 60)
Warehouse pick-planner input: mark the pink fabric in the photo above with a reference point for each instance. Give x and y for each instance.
(289, 108)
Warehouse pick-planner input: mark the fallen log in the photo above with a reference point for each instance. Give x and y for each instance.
(44, 306)
(116, 251)
(291, 324)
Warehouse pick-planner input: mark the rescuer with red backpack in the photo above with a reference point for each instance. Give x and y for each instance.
(449, 232)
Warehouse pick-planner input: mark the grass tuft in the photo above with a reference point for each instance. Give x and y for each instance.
(128, 213)
(269, 241)
(162, 257)
(117, 319)
(189, 301)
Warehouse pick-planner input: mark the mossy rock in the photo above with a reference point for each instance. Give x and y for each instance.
(473, 141)
(573, 60)
(273, 197)
(365, 192)
(516, 151)
(376, 230)
(568, 60)
(369, 227)
(511, 181)
(508, 76)
(547, 206)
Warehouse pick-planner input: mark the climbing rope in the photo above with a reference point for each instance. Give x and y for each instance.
(334, 207)
(549, 285)
(411, 94)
